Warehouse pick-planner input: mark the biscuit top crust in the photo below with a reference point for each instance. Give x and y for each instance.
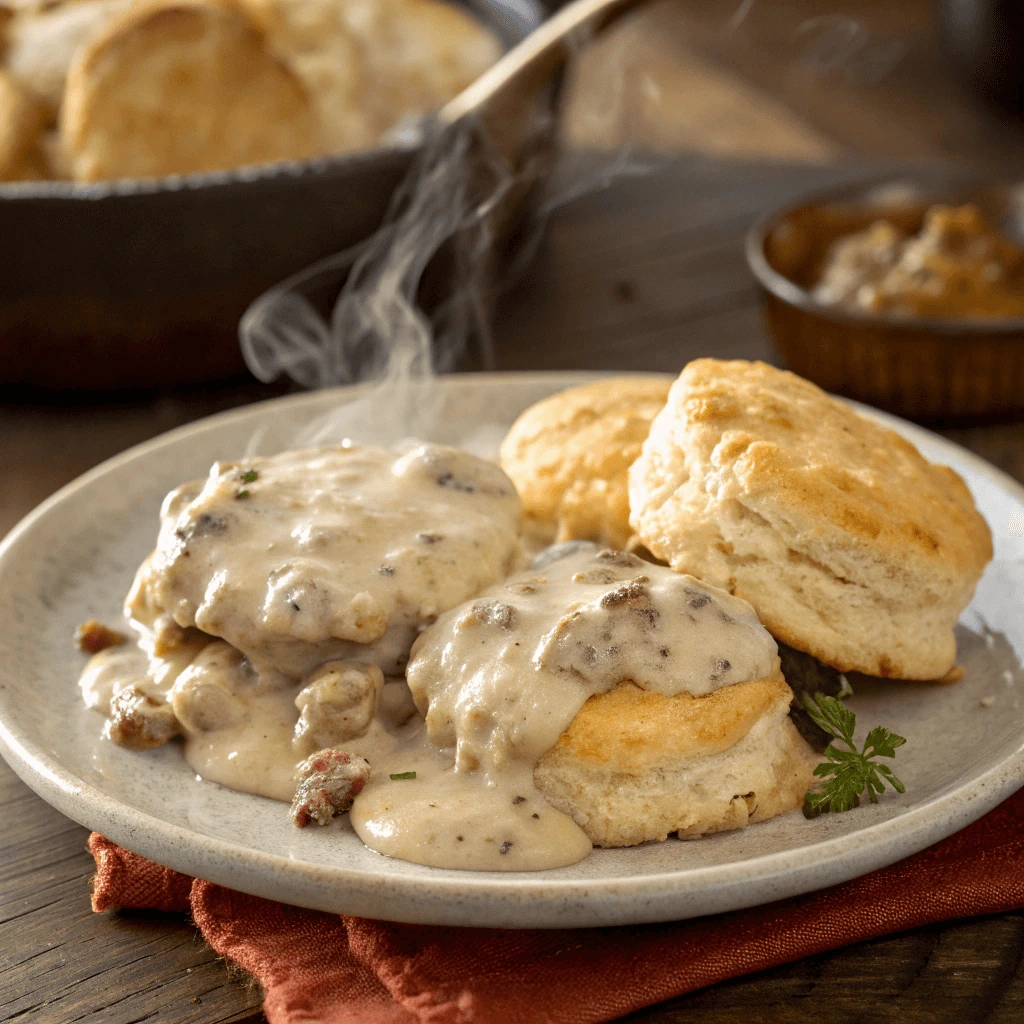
(569, 456)
(637, 730)
(303, 557)
(501, 677)
(171, 86)
(786, 449)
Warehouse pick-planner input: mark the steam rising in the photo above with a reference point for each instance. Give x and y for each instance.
(437, 241)
(837, 47)
(376, 330)
(436, 250)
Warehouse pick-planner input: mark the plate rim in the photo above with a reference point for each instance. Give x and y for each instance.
(513, 899)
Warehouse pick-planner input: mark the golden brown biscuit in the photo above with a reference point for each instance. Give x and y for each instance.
(635, 765)
(421, 53)
(42, 45)
(847, 542)
(569, 456)
(369, 63)
(21, 131)
(176, 86)
(316, 39)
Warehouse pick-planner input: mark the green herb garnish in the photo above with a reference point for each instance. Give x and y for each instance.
(404, 775)
(249, 476)
(848, 772)
(242, 494)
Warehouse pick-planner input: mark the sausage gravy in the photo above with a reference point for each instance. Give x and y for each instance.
(335, 553)
(279, 606)
(500, 678)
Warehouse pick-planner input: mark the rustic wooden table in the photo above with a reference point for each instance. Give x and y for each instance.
(644, 274)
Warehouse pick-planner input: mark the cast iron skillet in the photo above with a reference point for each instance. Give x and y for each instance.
(129, 283)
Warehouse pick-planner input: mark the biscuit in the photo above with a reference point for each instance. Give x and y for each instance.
(21, 133)
(300, 558)
(847, 542)
(42, 45)
(569, 455)
(316, 40)
(421, 53)
(177, 86)
(370, 64)
(636, 766)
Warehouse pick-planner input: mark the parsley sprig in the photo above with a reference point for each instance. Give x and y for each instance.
(848, 773)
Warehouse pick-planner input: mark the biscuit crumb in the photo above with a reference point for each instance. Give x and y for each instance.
(987, 702)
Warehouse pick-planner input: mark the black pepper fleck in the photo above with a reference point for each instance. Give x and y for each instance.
(534, 815)
(505, 847)
(519, 800)
(449, 479)
(429, 538)
(205, 525)
(386, 570)
(719, 668)
(493, 613)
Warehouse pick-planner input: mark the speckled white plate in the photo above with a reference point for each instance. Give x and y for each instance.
(74, 558)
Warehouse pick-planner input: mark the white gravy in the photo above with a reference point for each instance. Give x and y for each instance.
(500, 678)
(337, 553)
(497, 679)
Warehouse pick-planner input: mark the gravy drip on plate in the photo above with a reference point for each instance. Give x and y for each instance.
(500, 678)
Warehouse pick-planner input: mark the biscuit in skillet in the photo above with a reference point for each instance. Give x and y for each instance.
(636, 765)
(569, 454)
(421, 53)
(42, 44)
(316, 39)
(21, 132)
(848, 543)
(176, 86)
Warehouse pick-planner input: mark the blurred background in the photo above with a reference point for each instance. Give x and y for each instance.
(680, 126)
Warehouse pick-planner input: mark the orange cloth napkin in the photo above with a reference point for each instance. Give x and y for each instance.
(349, 970)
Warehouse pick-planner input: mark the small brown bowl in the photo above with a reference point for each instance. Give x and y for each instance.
(925, 368)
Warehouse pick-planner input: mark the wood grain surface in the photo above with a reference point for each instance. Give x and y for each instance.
(643, 274)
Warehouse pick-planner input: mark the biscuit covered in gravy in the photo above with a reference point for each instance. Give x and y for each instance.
(503, 676)
(510, 681)
(335, 554)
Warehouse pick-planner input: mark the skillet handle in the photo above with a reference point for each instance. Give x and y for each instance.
(514, 85)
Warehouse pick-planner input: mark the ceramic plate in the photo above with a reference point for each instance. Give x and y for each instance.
(74, 557)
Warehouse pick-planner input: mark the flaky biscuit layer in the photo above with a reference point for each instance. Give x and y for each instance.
(849, 544)
(636, 766)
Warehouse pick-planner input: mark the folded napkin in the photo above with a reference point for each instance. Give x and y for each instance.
(349, 970)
